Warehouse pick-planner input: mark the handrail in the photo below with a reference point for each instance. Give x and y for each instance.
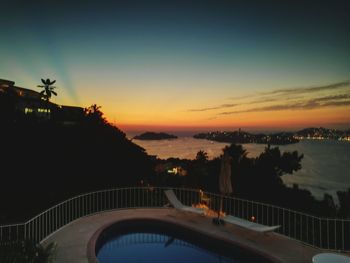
(322, 232)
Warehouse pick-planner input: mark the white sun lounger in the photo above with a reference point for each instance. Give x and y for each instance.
(330, 258)
(248, 224)
(178, 205)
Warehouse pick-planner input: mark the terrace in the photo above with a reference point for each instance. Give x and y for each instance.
(72, 224)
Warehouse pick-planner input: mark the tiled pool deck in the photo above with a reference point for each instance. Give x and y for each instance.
(72, 240)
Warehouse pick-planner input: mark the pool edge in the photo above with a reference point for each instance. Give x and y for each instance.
(91, 246)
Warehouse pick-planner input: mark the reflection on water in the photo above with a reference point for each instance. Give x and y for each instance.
(151, 247)
(325, 166)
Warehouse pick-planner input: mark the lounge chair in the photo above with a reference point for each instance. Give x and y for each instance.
(178, 205)
(330, 258)
(248, 224)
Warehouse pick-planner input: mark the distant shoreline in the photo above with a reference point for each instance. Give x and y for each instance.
(304, 134)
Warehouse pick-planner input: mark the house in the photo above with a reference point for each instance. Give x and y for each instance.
(30, 104)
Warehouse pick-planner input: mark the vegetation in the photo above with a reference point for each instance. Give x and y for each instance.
(27, 252)
(47, 162)
(256, 178)
(48, 88)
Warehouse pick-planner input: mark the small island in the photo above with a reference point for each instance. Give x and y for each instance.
(155, 136)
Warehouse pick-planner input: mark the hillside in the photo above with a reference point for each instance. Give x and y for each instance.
(43, 163)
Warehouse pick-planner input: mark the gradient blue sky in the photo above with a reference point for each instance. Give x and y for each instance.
(165, 63)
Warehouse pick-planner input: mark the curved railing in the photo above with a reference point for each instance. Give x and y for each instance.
(326, 233)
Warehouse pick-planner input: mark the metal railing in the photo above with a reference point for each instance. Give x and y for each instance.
(325, 233)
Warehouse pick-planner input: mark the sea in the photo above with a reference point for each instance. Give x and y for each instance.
(325, 166)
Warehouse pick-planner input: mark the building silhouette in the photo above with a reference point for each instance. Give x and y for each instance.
(29, 104)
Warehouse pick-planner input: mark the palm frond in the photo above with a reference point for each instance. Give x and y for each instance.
(54, 93)
(43, 81)
(40, 86)
(52, 82)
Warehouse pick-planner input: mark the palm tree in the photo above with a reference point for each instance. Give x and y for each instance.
(48, 88)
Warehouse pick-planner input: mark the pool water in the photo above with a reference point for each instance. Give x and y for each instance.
(155, 248)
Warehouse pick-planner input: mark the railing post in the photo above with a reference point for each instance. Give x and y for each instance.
(36, 230)
(307, 229)
(320, 234)
(327, 233)
(56, 219)
(39, 228)
(262, 214)
(289, 231)
(313, 231)
(343, 234)
(335, 234)
(295, 225)
(284, 222)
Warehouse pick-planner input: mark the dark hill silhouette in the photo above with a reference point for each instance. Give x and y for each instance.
(45, 162)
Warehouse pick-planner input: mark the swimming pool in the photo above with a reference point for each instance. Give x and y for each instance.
(157, 241)
(155, 248)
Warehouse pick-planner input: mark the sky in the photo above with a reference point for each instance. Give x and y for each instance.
(186, 65)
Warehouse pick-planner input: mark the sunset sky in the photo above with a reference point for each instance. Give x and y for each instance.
(177, 65)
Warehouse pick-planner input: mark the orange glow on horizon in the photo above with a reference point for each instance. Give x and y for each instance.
(160, 111)
(259, 120)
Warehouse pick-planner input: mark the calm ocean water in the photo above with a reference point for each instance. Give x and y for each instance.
(325, 166)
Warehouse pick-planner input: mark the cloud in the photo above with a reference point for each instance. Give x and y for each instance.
(241, 97)
(271, 99)
(334, 97)
(225, 106)
(296, 95)
(304, 90)
(316, 103)
(222, 106)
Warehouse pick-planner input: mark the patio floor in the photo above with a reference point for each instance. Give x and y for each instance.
(72, 240)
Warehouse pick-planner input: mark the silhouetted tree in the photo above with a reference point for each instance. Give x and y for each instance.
(48, 88)
(202, 156)
(95, 115)
(238, 155)
(236, 151)
(344, 203)
(198, 170)
(276, 165)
